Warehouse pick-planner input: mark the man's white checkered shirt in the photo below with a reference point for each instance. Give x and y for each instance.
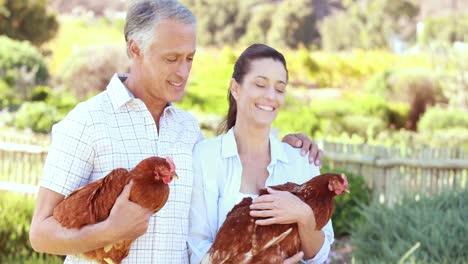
(115, 130)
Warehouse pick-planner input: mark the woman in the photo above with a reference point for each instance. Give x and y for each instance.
(248, 157)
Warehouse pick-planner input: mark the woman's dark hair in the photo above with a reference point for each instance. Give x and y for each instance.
(241, 68)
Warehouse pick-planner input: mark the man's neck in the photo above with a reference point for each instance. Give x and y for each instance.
(156, 107)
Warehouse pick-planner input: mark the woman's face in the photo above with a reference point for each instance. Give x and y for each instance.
(261, 93)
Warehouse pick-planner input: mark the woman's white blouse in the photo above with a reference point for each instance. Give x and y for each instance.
(217, 181)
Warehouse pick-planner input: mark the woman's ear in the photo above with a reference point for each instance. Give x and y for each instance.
(234, 87)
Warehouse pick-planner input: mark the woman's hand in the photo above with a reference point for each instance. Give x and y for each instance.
(281, 207)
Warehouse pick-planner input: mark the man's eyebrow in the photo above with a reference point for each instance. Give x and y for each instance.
(265, 78)
(178, 53)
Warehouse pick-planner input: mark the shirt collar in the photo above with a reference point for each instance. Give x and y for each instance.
(229, 147)
(120, 94)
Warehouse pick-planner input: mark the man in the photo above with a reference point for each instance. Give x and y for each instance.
(131, 120)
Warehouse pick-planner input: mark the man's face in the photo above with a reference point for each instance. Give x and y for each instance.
(166, 65)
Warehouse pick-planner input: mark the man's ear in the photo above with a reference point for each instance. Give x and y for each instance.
(134, 50)
(234, 87)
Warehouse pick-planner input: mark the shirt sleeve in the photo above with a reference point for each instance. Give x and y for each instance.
(69, 162)
(322, 254)
(200, 235)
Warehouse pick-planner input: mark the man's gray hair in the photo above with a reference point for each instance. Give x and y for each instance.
(144, 15)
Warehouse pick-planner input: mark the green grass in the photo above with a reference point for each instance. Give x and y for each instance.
(75, 34)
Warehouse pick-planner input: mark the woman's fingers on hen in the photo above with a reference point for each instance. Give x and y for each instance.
(268, 198)
(267, 221)
(262, 206)
(263, 213)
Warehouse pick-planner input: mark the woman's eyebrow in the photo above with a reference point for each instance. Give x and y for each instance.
(263, 77)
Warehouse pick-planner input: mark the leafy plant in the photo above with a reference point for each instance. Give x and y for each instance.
(16, 55)
(440, 118)
(15, 217)
(438, 223)
(37, 116)
(89, 70)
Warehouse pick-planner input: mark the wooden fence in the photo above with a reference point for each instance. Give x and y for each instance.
(21, 166)
(19, 137)
(390, 172)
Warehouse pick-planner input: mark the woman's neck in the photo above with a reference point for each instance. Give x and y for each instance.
(253, 143)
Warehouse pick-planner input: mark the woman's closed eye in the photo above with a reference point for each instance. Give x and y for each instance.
(280, 87)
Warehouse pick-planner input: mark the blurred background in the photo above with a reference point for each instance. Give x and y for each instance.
(382, 85)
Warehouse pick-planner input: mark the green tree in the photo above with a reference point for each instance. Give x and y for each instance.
(259, 24)
(293, 23)
(445, 29)
(370, 24)
(27, 20)
(21, 67)
(220, 22)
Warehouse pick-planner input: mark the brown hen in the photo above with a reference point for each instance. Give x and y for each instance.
(92, 203)
(241, 241)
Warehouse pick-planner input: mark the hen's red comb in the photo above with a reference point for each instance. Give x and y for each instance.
(171, 164)
(344, 179)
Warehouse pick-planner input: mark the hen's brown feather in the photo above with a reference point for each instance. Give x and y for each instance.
(94, 198)
(92, 203)
(241, 241)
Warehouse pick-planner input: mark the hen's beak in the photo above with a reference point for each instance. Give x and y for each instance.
(347, 190)
(175, 176)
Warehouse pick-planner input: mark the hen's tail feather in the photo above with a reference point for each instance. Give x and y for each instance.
(277, 239)
(109, 261)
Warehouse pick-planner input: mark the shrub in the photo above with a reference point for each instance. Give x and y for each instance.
(419, 88)
(208, 85)
(37, 116)
(438, 223)
(433, 139)
(89, 70)
(15, 217)
(398, 114)
(442, 29)
(361, 115)
(7, 94)
(364, 126)
(16, 54)
(41, 93)
(439, 118)
(297, 120)
(346, 212)
(90, 32)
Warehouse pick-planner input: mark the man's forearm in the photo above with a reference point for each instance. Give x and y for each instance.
(50, 237)
(311, 239)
